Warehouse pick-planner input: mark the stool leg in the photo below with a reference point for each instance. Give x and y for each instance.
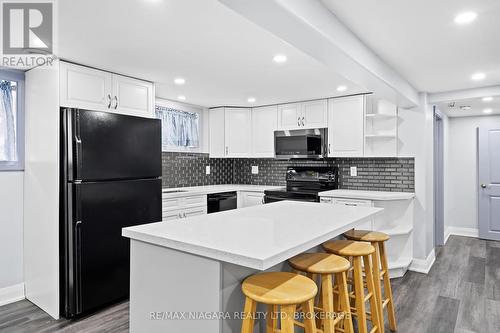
(309, 321)
(327, 303)
(371, 289)
(377, 284)
(345, 305)
(288, 318)
(360, 295)
(271, 320)
(249, 312)
(387, 289)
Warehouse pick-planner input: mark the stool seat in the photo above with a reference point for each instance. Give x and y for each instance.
(348, 248)
(366, 236)
(319, 263)
(279, 288)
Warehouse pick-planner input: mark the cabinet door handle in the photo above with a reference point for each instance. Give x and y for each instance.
(116, 102)
(109, 101)
(298, 121)
(303, 123)
(329, 148)
(227, 150)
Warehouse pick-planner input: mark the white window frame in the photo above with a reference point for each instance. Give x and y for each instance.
(187, 108)
(17, 76)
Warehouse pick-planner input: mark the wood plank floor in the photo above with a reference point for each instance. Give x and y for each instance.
(461, 294)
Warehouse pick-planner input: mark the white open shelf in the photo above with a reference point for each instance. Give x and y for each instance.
(381, 129)
(399, 230)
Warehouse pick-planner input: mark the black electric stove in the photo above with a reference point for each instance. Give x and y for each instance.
(304, 184)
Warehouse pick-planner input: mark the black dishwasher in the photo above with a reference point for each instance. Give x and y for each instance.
(219, 202)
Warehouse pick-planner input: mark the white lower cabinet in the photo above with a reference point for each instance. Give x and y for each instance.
(183, 207)
(248, 199)
(368, 225)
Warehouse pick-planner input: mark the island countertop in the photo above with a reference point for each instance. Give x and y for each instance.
(256, 237)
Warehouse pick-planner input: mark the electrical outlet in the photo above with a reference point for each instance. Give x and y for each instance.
(207, 170)
(255, 169)
(354, 171)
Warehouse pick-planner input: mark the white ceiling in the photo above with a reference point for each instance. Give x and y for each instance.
(477, 107)
(224, 58)
(419, 39)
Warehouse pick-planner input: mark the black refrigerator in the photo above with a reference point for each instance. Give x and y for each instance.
(110, 179)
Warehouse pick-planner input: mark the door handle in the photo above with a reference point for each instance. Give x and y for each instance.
(484, 186)
(329, 146)
(298, 121)
(116, 102)
(303, 123)
(227, 150)
(109, 101)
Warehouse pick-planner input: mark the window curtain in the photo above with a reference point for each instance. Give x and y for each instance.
(7, 117)
(179, 128)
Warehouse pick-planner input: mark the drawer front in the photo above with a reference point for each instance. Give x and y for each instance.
(171, 204)
(194, 201)
(353, 202)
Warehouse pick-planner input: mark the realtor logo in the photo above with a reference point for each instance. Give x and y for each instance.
(27, 28)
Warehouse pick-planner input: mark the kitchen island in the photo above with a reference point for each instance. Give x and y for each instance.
(185, 275)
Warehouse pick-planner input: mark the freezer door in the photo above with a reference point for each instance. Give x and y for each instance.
(98, 256)
(108, 146)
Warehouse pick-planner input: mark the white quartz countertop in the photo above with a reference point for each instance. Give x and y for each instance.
(368, 195)
(209, 189)
(258, 237)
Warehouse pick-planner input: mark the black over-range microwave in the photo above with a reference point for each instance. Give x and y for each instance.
(305, 143)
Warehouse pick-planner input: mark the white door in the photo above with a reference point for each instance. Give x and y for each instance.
(489, 183)
(346, 126)
(83, 87)
(264, 123)
(216, 132)
(314, 114)
(132, 96)
(289, 116)
(238, 122)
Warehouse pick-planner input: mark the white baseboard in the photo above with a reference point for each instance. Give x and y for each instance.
(12, 294)
(423, 265)
(457, 231)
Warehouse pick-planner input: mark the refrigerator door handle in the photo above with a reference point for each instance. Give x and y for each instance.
(78, 266)
(78, 146)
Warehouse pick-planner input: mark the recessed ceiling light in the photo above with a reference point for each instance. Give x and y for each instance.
(478, 76)
(487, 110)
(179, 81)
(280, 58)
(487, 99)
(251, 99)
(181, 97)
(464, 18)
(341, 88)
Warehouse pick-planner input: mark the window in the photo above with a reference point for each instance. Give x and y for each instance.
(180, 129)
(11, 120)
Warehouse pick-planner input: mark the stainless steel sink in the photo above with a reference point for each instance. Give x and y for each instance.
(174, 191)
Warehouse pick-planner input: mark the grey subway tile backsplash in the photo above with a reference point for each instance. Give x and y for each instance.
(376, 174)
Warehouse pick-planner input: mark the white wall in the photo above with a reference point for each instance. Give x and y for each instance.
(461, 184)
(11, 235)
(416, 140)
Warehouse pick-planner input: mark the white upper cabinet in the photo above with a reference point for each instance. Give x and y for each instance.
(89, 88)
(238, 122)
(84, 87)
(230, 132)
(264, 123)
(216, 132)
(312, 114)
(289, 116)
(346, 126)
(132, 96)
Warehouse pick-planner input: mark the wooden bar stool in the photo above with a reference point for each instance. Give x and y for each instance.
(286, 290)
(326, 266)
(380, 270)
(360, 253)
